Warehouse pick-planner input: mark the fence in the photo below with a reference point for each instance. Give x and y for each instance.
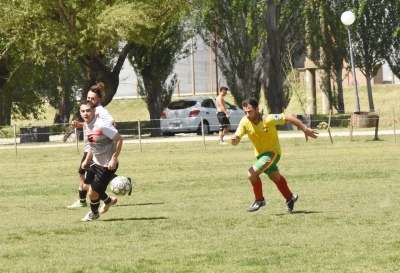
(18, 136)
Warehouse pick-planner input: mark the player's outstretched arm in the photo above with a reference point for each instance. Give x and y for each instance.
(76, 124)
(308, 132)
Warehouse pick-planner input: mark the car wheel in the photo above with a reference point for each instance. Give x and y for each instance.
(206, 128)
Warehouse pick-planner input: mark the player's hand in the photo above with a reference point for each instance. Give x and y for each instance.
(112, 164)
(311, 133)
(75, 123)
(235, 139)
(228, 116)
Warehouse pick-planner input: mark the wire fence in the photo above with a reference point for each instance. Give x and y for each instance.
(141, 131)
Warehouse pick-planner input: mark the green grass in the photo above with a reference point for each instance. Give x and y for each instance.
(188, 210)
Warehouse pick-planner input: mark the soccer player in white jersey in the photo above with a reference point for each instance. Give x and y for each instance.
(102, 158)
(95, 96)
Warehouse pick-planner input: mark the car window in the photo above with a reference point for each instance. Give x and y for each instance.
(181, 104)
(208, 103)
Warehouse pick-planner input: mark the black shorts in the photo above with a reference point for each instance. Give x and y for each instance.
(101, 177)
(223, 120)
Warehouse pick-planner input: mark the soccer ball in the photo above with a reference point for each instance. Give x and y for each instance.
(121, 185)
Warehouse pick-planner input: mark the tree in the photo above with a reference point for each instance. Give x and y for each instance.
(371, 38)
(328, 41)
(154, 64)
(239, 32)
(97, 34)
(393, 28)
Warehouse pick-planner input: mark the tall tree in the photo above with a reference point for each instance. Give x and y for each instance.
(97, 34)
(154, 64)
(393, 28)
(237, 27)
(284, 24)
(326, 36)
(370, 39)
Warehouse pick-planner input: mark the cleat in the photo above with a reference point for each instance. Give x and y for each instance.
(290, 203)
(130, 191)
(78, 204)
(105, 207)
(90, 216)
(256, 205)
(222, 142)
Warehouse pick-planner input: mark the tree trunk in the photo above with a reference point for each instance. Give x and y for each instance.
(339, 82)
(5, 111)
(326, 89)
(63, 111)
(274, 87)
(369, 88)
(5, 103)
(101, 73)
(154, 105)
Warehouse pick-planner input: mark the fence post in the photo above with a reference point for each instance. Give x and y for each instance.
(140, 136)
(394, 125)
(202, 132)
(77, 140)
(15, 139)
(329, 125)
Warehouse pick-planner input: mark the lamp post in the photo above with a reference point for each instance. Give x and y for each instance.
(348, 19)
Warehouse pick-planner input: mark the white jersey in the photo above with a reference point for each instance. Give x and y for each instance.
(102, 113)
(98, 134)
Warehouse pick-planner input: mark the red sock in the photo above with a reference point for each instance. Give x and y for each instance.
(257, 189)
(283, 188)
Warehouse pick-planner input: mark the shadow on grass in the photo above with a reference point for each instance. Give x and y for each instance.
(136, 219)
(298, 212)
(142, 204)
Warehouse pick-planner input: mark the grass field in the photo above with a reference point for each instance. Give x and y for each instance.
(188, 210)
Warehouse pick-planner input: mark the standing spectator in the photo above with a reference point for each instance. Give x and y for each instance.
(223, 115)
(262, 132)
(102, 158)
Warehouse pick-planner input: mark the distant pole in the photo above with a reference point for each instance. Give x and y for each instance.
(178, 87)
(192, 59)
(211, 70)
(216, 52)
(348, 19)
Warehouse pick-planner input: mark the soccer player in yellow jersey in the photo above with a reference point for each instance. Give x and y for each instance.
(261, 130)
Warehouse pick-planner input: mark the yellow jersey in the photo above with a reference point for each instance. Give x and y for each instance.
(263, 135)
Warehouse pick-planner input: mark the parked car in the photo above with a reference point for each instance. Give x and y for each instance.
(184, 116)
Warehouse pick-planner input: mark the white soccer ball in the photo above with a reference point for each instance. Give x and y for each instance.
(121, 185)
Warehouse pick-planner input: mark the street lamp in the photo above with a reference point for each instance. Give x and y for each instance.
(348, 19)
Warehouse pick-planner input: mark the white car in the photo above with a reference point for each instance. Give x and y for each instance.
(184, 116)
